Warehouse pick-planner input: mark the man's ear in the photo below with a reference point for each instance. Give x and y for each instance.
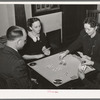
(18, 41)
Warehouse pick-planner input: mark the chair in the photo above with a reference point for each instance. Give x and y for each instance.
(93, 13)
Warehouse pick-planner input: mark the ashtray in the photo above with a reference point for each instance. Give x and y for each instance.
(58, 81)
(32, 64)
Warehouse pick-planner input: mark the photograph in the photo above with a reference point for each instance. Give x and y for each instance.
(49, 47)
(57, 48)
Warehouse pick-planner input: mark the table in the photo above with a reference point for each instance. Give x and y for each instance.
(57, 72)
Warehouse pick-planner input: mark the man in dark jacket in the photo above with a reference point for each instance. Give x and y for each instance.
(12, 65)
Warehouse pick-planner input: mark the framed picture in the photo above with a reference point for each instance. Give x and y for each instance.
(41, 9)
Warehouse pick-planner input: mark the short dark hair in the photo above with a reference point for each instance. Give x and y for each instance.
(14, 32)
(91, 21)
(30, 21)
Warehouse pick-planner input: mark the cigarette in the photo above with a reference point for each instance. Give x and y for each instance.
(49, 48)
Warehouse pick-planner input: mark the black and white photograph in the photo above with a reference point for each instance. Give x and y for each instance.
(50, 46)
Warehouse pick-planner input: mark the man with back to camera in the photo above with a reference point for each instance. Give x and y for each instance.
(12, 64)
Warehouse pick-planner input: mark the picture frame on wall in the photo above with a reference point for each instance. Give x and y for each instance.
(41, 9)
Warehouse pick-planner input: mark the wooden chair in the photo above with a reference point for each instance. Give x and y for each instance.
(93, 13)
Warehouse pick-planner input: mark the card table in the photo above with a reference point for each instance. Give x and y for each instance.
(58, 71)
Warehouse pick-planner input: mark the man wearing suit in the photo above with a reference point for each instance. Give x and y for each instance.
(12, 64)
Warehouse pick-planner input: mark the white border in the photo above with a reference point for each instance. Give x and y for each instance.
(53, 2)
(51, 93)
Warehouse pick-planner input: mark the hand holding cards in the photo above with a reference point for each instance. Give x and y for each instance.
(46, 51)
(81, 71)
(82, 68)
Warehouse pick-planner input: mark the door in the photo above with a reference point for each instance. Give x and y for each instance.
(20, 17)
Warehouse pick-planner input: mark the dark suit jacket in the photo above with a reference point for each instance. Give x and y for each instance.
(13, 66)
